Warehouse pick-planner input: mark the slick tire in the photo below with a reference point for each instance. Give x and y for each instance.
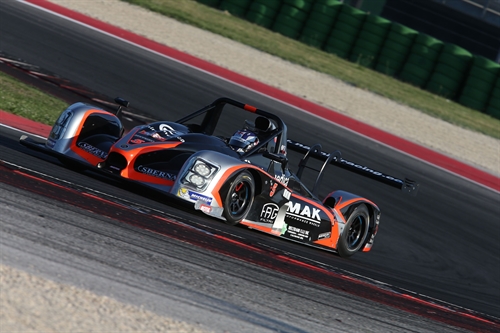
(355, 232)
(239, 198)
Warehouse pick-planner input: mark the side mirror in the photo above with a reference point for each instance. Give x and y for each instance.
(280, 158)
(122, 104)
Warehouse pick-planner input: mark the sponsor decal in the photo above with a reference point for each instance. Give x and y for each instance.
(156, 173)
(325, 235)
(205, 209)
(167, 129)
(284, 228)
(282, 179)
(182, 192)
(297, 232)
(197, 196)
(157, 136)
(153, 133)
(304, 214)
(286, 194)
(269, 212)
(92, 150)
(273, 190)
(136, 141)
(141, 137)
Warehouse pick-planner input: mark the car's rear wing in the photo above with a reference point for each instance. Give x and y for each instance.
(406, 185)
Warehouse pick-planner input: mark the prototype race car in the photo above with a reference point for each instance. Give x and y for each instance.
(236, 175)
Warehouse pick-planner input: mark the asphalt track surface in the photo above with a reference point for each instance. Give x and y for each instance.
(442, 243)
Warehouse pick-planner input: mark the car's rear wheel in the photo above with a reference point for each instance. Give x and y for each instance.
(239, 198)
(355, 232)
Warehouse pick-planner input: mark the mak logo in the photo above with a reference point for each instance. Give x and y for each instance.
(269, 212)
(304, 213)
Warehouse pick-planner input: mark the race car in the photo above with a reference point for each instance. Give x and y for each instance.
(240, 176)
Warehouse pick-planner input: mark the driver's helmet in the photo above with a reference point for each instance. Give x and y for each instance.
(243, 140)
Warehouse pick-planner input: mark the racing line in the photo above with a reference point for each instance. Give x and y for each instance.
(422, 153)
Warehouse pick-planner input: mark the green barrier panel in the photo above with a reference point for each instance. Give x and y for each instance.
(304, 5)
(370, 36)
(480, 94)
(338, 48)
(387, 65)
(478, 83)
(485, 69)
(345, 31)
(453, 61)
(320, 22)
(421, 60)
(395, 49)
(241, 3)
(478, 87)
(211, 3)
(364, 53)
(344, 28)
(329, 10)
(289, 21)
(449, 71)
(486, 64)
(259, 19)
(442, 85)
(493, 108)
(313, 38)
(264, 10)
(379, 21)
(285, 30)
(237, 9)
(424, 51)
(493, 105)
(472, 103)
(494, 112)
(425, 63)
(273, 4)
(412, 79)
(344, 35)
(415, 70)
(369, 42)
(452, 64)
(317, 17)
(355, 13)
(319, 27)
(376, 29)
(327, 2)
(429, 42)
(291, 17)
(295, 13)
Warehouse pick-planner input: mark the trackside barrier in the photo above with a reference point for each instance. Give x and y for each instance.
(388, 47)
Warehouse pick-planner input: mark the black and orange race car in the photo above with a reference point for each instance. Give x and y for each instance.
(240, 176)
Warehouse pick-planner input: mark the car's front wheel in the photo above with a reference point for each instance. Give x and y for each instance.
(355, 232)
(239, 198)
